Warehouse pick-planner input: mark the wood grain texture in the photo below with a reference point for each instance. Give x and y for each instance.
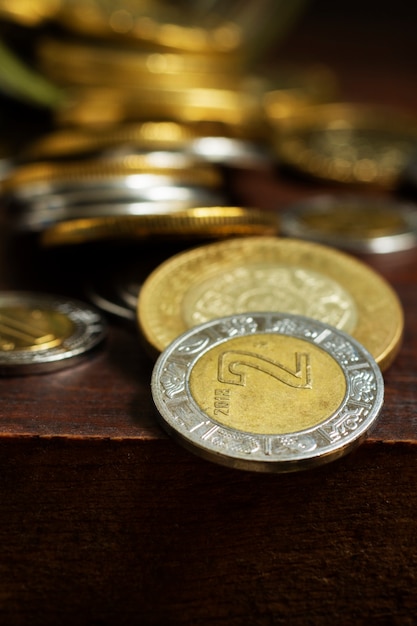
(120, 534)
(104, 520)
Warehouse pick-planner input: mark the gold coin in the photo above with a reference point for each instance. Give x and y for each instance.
(235, 108)
(150, 135)
(27, 12)
(150, 23)
(71, 62)
(270, 274)
(202, 222)
(108, 169)
(347, 143)
(65, 142)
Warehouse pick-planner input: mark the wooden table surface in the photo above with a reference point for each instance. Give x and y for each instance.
(105, 520)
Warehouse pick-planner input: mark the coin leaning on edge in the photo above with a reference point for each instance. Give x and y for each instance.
(267, 392)
(270, 274)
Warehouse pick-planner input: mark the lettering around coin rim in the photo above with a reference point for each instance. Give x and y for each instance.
(88, 330)
(331, 438)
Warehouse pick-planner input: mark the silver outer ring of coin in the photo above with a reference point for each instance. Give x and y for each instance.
(90, 329)
(39, 220)
(159, 193)
(339, 433)
(25, 192)
(292, 226)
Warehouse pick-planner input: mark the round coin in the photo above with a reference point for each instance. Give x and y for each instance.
(42, 332)
(356, 223)
(202, 222)
(347, 143)
(270, 274)
(267, 391)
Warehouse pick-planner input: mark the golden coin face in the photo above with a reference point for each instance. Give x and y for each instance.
(267, 391)
(348, 144)
(259, 286)
(271, 274)
(248, 407)
(32, 329)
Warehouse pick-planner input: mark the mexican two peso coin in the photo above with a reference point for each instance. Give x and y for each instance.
(43, 332)
(267, 392)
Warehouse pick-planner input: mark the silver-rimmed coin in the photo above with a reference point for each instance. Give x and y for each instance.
(267, 392)
(35, 220)
(43, 332)
(354, 223)
(58, 200)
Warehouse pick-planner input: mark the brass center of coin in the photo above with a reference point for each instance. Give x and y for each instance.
(267, 384)
(270, 287)
(23, 328)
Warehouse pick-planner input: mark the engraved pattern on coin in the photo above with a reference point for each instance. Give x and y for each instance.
(231, 363)
(161, 307)
(262, 287)
(336, 431)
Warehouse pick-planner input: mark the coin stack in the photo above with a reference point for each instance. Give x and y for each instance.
(148, 120)
(267, 355)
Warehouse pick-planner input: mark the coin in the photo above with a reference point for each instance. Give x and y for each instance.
(270, 274)
(202, 222)
(70, 62)
(239, 110)
(135, 169)
(152, 24)
(34, 218)
(43, 332)
(211, 142)
(163, 134)
(28, 13)
(347, 143)
(356, 223)
(269, 392)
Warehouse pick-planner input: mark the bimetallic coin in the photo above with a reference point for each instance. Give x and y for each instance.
(133, 169)
(42, 332)
(346, 143)
(34, 219)
(202, 222)
(356, 223)
(270, 274)
(267, 392)
(210, 142)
